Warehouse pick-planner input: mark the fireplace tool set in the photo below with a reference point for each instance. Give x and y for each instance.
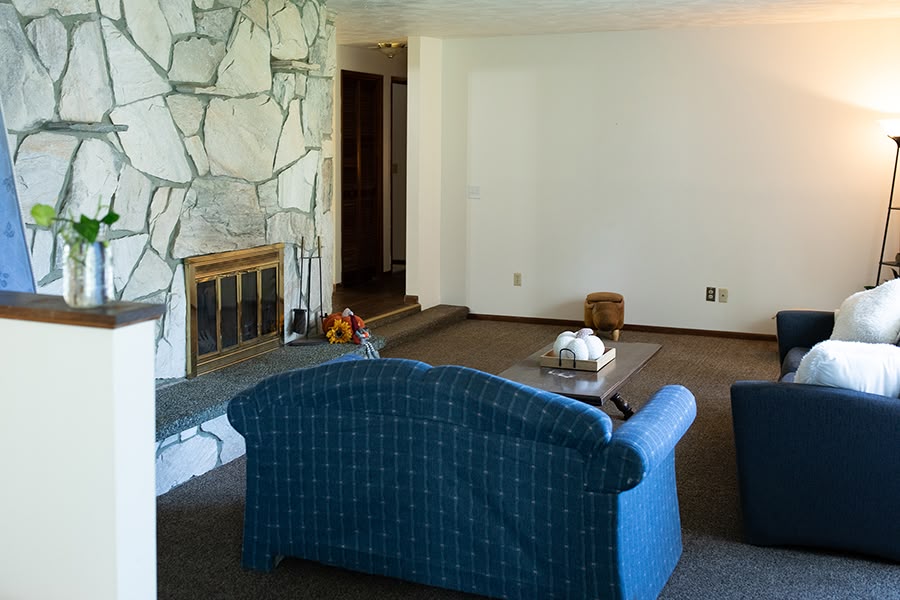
(304, 320)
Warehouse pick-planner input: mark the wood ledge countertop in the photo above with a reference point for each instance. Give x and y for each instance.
(53, 309)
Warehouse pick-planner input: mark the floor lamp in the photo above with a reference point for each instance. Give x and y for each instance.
(892, 129)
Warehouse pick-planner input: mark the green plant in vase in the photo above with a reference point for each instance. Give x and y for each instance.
(87, 264)
(84, 230)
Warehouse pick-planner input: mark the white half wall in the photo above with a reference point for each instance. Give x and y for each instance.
(656, 163)
(77, 457)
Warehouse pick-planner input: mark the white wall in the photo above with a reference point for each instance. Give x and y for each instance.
(366, 60)
(425, 223)
(657, 163)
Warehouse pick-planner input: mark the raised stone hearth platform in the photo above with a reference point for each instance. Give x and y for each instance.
(193, 434)
(196, 451)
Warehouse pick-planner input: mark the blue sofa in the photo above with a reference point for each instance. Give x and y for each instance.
(817, 466)
(454, 478)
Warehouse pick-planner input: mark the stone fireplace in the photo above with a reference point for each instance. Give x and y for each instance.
(206, 124)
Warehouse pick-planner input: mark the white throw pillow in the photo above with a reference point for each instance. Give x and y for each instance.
(871, 316)
(873, 368)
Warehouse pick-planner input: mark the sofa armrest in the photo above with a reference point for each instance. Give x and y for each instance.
(643, 441)
(815, 411)
(802, 329)
(818, 466)
(837, 430)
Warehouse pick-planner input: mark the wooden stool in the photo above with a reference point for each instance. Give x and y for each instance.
(605, 311)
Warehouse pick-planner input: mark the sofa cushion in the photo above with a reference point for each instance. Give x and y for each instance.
(870, 316)
(872, 368)
(792, 361)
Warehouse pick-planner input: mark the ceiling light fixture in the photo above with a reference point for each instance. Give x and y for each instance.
(391, 49)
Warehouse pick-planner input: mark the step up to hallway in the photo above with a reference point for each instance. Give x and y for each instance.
(392, 316)
(193, 435)
(410, 327)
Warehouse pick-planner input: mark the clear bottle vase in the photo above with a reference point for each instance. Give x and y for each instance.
(87, 274)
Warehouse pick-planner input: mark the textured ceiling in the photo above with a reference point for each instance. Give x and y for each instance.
(364, 22)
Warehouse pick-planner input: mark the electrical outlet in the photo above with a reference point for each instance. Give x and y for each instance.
(710, 294)
(517, 279)
(723, 294)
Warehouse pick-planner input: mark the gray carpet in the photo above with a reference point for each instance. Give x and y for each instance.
(199, 523)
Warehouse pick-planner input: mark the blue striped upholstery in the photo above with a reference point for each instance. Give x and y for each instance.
(459, 479)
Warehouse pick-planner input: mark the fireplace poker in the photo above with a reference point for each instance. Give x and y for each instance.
(307, 313)
(322, 314)
(300, 322)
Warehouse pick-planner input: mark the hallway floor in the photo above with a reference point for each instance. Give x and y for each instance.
(376, 298)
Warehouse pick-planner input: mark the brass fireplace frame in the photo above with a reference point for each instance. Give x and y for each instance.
(209, 267)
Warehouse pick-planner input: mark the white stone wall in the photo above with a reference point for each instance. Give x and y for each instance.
(196, 451)
(217, 149)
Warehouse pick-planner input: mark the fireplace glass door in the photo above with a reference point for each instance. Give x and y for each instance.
(236, 307)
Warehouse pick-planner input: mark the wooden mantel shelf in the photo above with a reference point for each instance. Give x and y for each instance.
(53, 309)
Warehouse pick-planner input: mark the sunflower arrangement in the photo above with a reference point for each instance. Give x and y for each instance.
(339, 332)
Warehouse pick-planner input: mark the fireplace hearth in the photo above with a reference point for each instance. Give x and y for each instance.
(236, 306)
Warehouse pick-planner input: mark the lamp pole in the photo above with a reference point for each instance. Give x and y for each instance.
(889, 209)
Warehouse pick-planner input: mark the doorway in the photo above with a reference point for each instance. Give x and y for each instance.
(373, 196)
(361, 179)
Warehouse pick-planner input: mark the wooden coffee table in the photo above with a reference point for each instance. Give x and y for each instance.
(587, 386)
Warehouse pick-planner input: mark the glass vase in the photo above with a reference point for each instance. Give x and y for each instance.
(87, 274)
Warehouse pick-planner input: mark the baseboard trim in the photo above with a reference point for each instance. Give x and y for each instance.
(765, 337)
(527, 320)
(741, 335)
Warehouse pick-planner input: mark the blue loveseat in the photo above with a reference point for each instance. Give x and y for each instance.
(459, 479)
(817, 466)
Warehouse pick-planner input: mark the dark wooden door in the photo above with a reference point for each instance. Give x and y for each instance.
(361, 179)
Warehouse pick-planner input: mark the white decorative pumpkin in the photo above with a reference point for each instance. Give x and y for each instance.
(561, 340)
(579, 347)
(595, 347)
